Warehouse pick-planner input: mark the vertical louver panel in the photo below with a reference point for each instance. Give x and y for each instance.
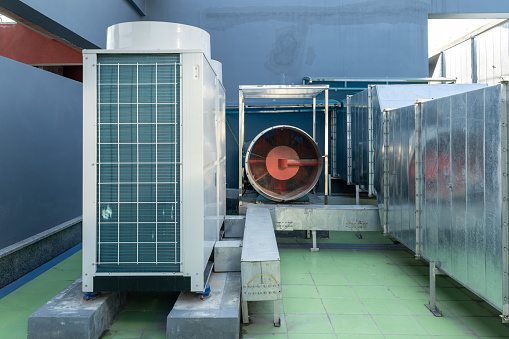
(138, 159)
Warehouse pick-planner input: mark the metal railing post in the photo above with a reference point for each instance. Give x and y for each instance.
(241, 141)
(432, 306)
(326, 146)
(371, 152)
(386, 170)
(349, 139)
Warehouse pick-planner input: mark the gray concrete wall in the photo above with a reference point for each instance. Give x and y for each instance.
(40, 151)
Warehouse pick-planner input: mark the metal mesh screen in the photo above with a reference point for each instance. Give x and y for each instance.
(138, 171)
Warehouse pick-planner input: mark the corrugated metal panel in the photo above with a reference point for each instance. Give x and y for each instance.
(385, 97)
(458, 63)
(341, 143)
(461, 157)
(402, 179)
(461, 208)
(491, 58)
(138, 160)
(378, 136)
(504, 49)
(462, 170)
(359, 137)
(401, 149)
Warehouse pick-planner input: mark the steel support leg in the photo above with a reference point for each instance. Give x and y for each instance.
(277, 319)
(357, 197)
(432, 306)
(245, 314)
(314, 248)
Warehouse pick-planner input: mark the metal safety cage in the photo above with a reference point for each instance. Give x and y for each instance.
(153, 169)
(285, 92)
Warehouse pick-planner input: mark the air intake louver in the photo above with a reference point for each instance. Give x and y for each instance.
(138, 171)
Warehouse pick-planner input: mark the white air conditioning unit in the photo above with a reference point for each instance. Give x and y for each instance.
(153, 159)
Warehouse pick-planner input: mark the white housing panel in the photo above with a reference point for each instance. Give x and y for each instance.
(155, 35)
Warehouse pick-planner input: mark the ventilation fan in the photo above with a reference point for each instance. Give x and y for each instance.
(283, 163)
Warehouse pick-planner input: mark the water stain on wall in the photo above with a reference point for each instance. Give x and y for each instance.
(287, 53)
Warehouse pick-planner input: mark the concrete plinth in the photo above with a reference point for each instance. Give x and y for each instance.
(227, 255)
(68, 315)
(217, 316)
(234, 226)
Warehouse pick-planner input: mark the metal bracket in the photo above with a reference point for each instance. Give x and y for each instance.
(432, 306)
(245, 312)
(241, 143)
(504, 96)
(90, 295)
(349, 139)
(386, 176)
(334, 139)
(371, 151)
(277, 319)
(314, 248)
(419, 178)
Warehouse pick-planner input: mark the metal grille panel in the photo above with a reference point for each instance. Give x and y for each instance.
(138, 189)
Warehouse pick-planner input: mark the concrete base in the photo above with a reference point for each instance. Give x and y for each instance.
(217, 316)
(25, 256)
(251, 196)
(68, 315)
(232, 198)
(234, 226)
(227, 255)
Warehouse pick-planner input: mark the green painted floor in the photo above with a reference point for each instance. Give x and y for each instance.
(334, 293)
(368, 294)
(16, 307)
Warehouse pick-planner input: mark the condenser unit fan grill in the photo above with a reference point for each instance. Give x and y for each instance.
(138, 171)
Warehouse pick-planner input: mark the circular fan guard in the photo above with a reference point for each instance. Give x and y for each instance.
(283, 163)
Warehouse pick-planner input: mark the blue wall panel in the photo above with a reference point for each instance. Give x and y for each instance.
(40, 151)
(267, 42)
(258, 42)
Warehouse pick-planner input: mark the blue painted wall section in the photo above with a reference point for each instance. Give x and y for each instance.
(258, 42)
(267, 42)
(40, 148)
